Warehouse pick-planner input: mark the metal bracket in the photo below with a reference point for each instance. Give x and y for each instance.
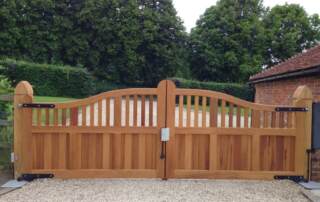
(165, 134)
(37, 105)
(291, 109)
(295, 178)
(30, 177)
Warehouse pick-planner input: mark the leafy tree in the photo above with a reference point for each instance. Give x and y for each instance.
(290, 30)
(125, 41)
(227, 43)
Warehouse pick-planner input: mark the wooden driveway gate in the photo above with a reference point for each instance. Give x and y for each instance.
(118, 134)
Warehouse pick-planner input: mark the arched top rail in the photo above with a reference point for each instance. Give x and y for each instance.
(226, 97)
(108, 94)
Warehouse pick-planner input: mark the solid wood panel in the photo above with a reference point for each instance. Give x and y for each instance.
(234, 152)
(106, 151)
(47, 151)
(200, 152)
(74, 160)
(62, 151)
(142, 151)
(188, 151)
(128, 151)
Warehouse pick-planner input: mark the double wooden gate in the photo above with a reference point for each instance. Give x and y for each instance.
(118, 134)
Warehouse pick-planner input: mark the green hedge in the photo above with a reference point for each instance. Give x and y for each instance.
(242, 91)
(49, 80)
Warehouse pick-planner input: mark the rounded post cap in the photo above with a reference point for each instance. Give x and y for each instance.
(23, 88)
(302, 92)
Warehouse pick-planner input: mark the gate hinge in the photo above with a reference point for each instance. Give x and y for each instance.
(295, 178)
(30, 177)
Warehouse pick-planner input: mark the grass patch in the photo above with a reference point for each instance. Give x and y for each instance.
(48, 99)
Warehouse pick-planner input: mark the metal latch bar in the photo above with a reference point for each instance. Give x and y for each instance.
(37, 105)
(291, 109)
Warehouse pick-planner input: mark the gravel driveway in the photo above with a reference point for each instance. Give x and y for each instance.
(156, 190)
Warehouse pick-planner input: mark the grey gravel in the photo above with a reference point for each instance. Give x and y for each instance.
(156, 190)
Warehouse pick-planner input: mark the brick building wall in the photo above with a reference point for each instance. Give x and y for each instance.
(280, 92)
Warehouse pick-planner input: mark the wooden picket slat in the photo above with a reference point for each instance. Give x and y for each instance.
(213, 112)
(204, 111)
(196, 111)
(188, 111)
(151, 111)
(181, 111)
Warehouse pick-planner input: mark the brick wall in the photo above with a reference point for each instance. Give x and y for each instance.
(280, 93)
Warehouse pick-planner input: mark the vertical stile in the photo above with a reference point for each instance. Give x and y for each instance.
(62, 151)
(204, 112)
(39, 116)
(213, 112)
(230, 115)
(196, 111)
(107, 112)
(273, 119)
(64, 117)
(255, 119)
(151, 111)
(100, 113)
(188, 110)
(74, 116)
(84, 115)
(143, 110)
(289, 119)
(135, 110)
(246, 115)
(223, 113)
(117, 112)
(181, 111)
(281, 120)
(47, 117)
(238, 116)
(55, 117)
(127, 116)
(92, 118)
(265, 119)
(142, 151)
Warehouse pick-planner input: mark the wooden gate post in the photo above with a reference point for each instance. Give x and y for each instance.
(22, 129)
(302, 97)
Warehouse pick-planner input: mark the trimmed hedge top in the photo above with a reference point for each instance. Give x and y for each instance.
(242, 91)
(49, 80)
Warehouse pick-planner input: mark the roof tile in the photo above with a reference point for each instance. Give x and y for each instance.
(306, 59)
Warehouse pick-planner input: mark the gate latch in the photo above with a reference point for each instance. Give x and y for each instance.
(165, 134)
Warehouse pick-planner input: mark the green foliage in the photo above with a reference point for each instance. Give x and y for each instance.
(51, 80)
(242, 91)
(227, 44)
(121, 41)
(289, 31)
(6, 132)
